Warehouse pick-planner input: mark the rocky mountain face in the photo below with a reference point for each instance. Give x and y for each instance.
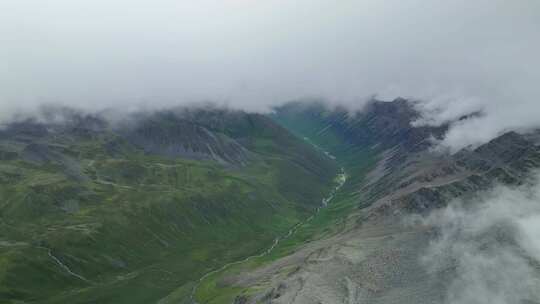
(403, 152)
(508, 159)
(178, 138)
(378, 253)
(193, 134)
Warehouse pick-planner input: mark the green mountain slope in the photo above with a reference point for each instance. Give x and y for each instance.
(94, 213)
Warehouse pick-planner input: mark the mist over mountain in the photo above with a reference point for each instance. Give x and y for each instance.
(269, 152)
(457, 57)
(491, 243)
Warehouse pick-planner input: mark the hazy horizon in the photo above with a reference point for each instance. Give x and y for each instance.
(456, 57)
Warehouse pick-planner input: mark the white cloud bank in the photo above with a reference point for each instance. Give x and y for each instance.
(491, 245)
(473, 55)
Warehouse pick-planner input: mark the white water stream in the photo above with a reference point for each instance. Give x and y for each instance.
(341, 179)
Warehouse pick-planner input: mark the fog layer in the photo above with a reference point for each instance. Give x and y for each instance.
(489, 247)
(456, 56)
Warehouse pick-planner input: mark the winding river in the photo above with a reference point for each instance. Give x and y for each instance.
(341, 179)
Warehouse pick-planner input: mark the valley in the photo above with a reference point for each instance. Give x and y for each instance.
(305, 205)
(269, 152)
(340, 180)
(369, 245)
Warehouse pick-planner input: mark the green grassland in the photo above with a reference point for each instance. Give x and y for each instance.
(92, 226)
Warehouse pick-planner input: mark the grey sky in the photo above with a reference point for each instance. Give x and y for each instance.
(480, 54)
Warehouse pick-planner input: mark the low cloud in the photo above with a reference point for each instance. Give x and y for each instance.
(456, 56)
(490, 118)
(488, 247)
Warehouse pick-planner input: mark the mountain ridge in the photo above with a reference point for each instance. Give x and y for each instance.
(374, 256)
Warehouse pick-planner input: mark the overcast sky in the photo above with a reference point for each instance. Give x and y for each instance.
(458, 55)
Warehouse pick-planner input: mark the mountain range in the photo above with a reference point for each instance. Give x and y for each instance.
(307, 204)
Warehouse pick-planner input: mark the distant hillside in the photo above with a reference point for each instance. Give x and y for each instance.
(132, 211)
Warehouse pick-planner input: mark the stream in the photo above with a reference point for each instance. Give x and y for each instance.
(341, 179)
